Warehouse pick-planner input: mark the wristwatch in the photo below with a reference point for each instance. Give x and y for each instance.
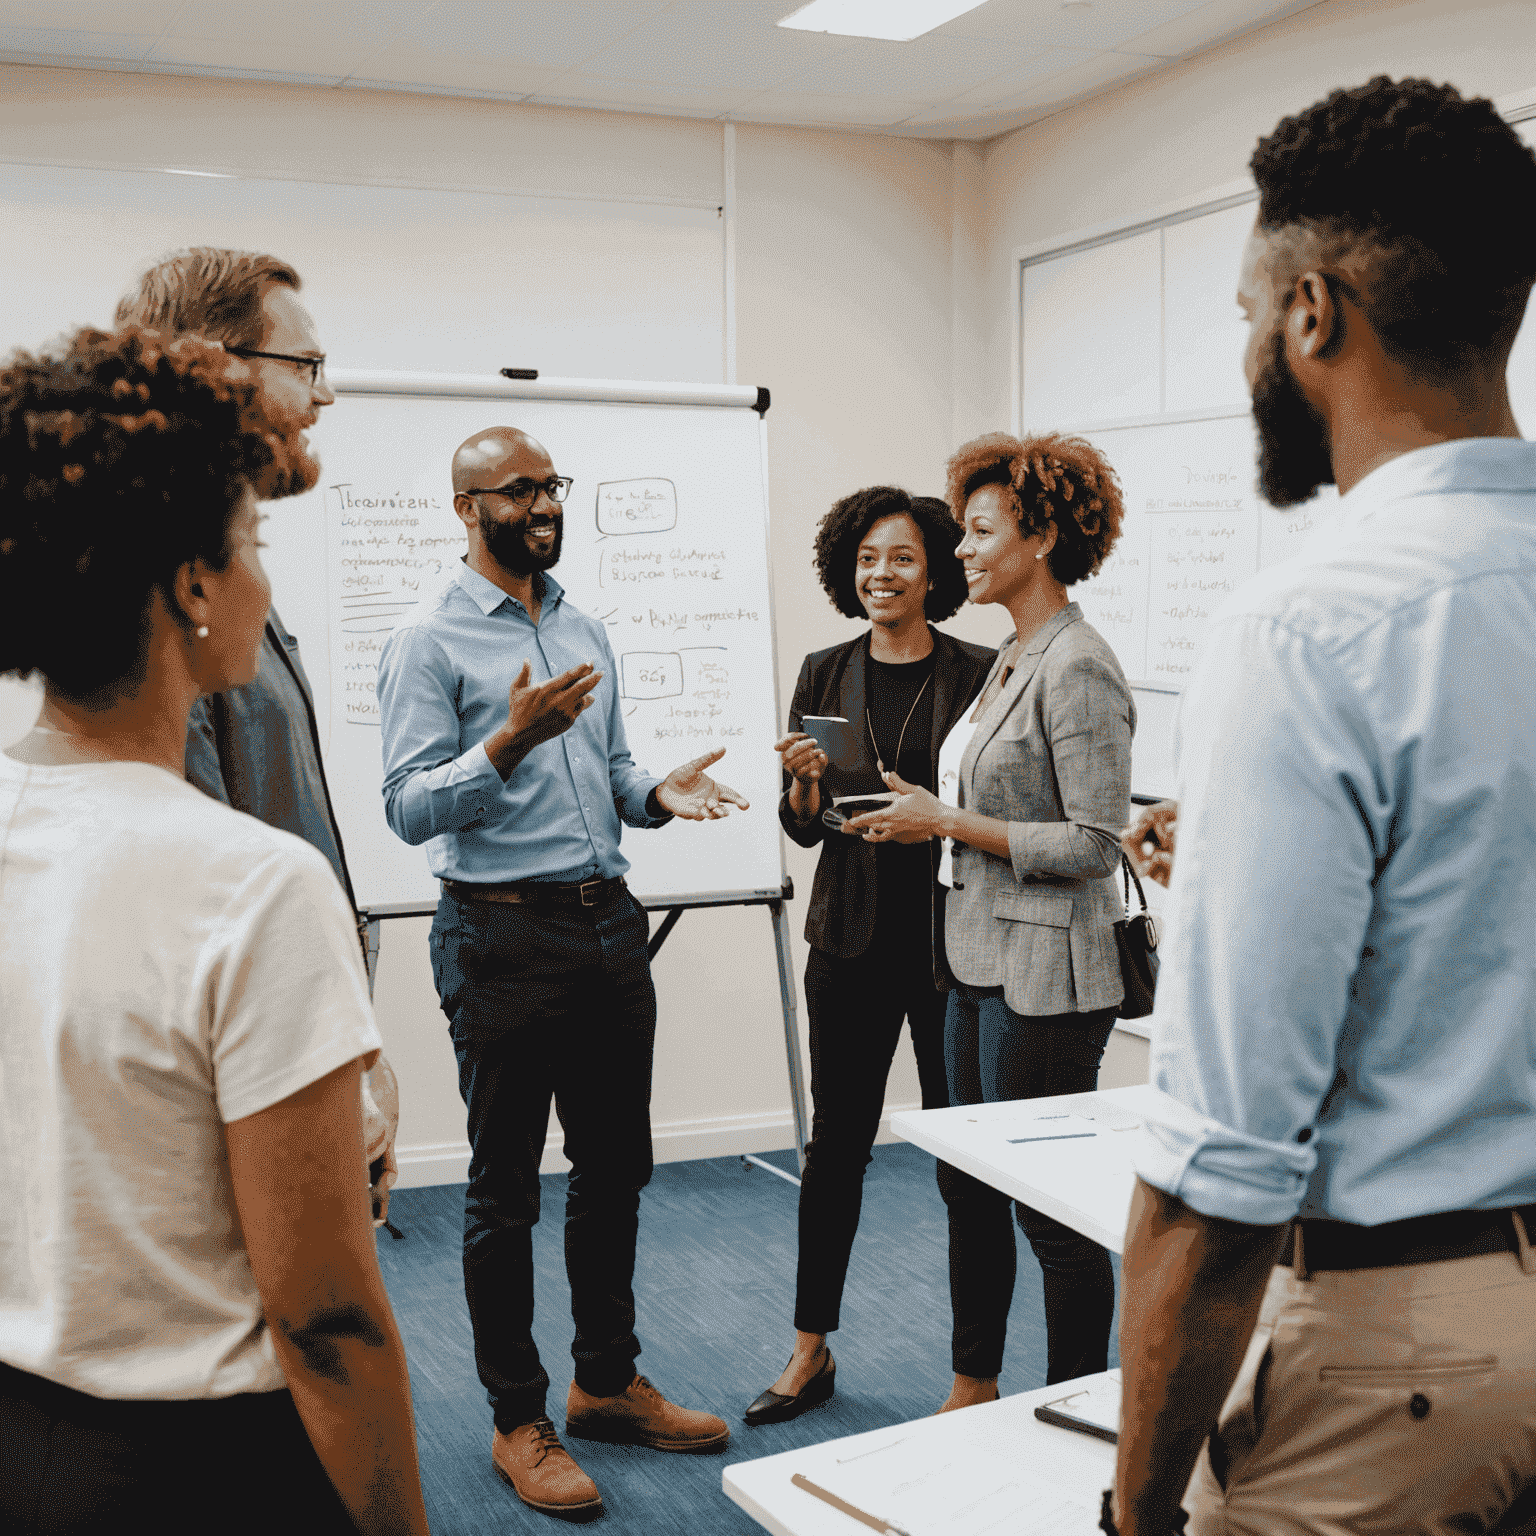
(1107, 1516)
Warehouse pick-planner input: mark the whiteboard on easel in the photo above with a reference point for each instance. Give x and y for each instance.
(666, 543)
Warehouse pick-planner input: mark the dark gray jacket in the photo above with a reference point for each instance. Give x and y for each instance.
(257, 748)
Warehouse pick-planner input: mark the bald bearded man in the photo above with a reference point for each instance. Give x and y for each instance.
(505, 753)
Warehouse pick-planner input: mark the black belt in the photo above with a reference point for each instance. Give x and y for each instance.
(538, 893)
(1417, 1240)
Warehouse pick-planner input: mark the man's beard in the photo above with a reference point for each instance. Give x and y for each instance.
(294, 468)
(505, 544)
(1294, 454)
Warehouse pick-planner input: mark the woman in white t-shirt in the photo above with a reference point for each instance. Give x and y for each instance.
(194, 1332)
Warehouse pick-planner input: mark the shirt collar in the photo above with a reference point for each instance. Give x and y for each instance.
(1464, 464)
(488, 597)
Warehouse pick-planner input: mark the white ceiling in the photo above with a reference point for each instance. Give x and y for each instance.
(1007, 63)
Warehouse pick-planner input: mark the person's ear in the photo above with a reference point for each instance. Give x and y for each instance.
(464, 505)
(188, 601)
(1314, 323)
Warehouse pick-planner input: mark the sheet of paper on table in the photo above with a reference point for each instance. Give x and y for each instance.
(1089, 1119)
(956, 1490)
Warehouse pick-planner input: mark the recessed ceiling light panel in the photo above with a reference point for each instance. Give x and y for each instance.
(897, 21)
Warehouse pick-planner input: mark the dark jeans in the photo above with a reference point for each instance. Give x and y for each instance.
(856, 1008)
(70, 1462)
(994, 1054)
(550, 1002)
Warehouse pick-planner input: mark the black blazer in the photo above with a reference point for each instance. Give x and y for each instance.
(840, 920)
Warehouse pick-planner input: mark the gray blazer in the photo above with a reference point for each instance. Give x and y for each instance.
(1051, 756)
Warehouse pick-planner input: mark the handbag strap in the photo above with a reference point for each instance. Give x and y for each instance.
(1130, 875)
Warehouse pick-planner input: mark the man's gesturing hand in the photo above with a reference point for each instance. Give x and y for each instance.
(689, 792)
(539, 712)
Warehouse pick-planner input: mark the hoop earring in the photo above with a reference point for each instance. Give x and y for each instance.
(202, 631)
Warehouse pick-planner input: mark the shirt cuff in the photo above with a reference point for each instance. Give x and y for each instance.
(1220, 1172)
(475, 764)
(655, 815)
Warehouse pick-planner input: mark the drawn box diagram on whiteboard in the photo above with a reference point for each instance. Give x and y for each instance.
(651, 674)
(636, 506)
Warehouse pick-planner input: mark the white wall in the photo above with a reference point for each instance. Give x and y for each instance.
(1127, 154)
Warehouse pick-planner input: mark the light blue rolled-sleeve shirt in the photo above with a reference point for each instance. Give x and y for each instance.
(1346, 1012)
(444, 678)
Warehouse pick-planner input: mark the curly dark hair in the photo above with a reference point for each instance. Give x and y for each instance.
(1050, 479)
(842, 530)
(1431, 193)
(122, 458)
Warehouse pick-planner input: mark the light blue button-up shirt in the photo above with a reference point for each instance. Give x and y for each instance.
(444, 677)
(1346, 1011)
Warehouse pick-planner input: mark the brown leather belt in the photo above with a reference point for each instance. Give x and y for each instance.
(1316, 1245)
(536, 893)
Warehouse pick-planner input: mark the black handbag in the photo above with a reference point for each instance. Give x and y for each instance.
(1136, 939)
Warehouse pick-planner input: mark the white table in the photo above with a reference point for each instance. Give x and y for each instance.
(1085, 1183)
(1064, 1459)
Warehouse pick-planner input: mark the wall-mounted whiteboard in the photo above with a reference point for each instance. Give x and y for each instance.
(1195, 529)
(666, 542)
(397, 278)
(1133, 339)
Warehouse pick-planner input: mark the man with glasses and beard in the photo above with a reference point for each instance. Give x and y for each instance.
(1330, 1279)
(505, 753)
(257, 747)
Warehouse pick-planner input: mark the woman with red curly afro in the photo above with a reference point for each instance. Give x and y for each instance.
(1034, 786)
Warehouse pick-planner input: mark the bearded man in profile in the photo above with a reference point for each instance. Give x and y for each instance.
(257, 748)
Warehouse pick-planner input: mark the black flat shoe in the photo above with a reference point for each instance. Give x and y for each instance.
(775, 1408)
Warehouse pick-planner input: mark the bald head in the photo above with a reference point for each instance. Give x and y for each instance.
(487, 459)
(507, 534)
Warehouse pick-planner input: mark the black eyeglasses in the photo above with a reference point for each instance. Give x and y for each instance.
(316, 365)
(523, 492)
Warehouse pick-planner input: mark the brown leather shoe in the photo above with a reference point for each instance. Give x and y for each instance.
(640, 1415)
(542, 1473)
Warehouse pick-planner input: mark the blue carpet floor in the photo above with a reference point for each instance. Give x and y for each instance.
(714, 1290)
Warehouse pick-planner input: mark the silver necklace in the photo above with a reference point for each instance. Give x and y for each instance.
(870, 726)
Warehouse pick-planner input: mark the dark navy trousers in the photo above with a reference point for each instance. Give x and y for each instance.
(550, 1003)
(994, 1054)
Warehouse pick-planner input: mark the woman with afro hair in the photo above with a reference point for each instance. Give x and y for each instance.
(195, 1324)
(901, 685)
(1034, 789)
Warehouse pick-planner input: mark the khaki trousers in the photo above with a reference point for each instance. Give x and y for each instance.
(1379, 1400)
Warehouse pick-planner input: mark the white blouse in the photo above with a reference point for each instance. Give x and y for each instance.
(953, 749)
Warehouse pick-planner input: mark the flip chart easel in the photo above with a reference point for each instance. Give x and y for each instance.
(666, 544)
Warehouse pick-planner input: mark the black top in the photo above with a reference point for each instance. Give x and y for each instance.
(899, 714)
